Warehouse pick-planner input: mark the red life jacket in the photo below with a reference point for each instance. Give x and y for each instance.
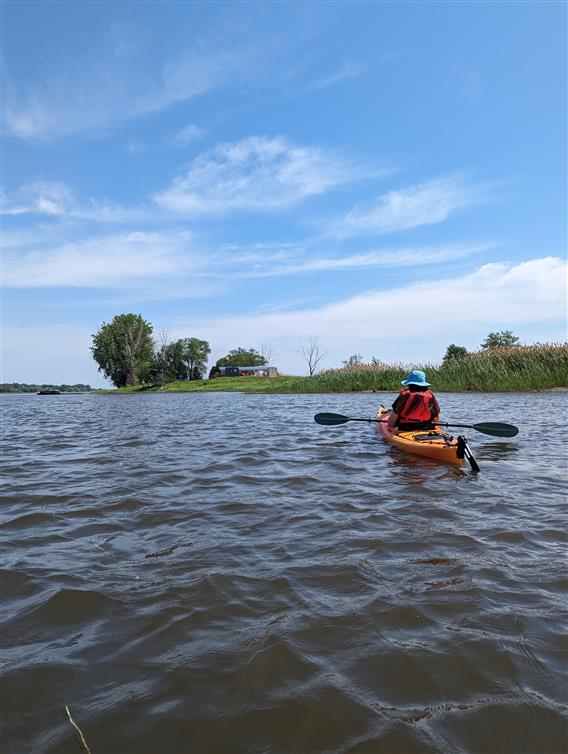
(416, 407)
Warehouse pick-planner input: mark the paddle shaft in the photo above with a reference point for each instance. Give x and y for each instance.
(434, 424)
(497, 429)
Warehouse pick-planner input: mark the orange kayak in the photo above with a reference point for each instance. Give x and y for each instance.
(431, 443)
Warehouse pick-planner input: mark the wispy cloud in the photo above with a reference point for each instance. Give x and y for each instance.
(257, 174)
(41, 256)
(116, 80)
(189, 133)
(424, 204)
(295, 261)
(55, 200)
(347, 71)
(37, 237)
(116, 261)
(136, 147)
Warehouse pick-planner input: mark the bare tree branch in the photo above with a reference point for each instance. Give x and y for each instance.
(161, 343)
(162, 339)
(268, 352)
(313, 353)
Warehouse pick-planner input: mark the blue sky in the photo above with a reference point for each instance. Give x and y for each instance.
(386, 177)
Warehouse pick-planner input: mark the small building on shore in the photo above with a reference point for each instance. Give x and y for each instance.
(258, 371)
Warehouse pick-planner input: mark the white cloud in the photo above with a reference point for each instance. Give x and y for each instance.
(116, 261)
(258, 173)
(37, 237)
(413, 322)
(348, 71)
(40, 197)
(424, 204)
(136, 147)
(37, 258)
(126, 75)
(54, 199)
(112, 84)
(289, 263)
(189, 133)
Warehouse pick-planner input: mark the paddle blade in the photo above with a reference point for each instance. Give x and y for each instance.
(497, 429)
(469, 455)
(330, 419)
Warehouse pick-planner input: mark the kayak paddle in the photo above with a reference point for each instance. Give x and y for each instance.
(497, 429)
(464, 451)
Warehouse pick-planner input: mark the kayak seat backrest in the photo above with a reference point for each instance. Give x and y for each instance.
(431, 436)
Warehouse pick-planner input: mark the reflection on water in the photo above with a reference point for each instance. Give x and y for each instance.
(499, 449)
(217, 573)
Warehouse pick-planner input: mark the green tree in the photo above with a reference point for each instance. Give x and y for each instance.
(158, 369)
(454, 353)
(194, 355)
(124, 349)
(163, 367)
(501, 339)
(175, 365)
(242, 357)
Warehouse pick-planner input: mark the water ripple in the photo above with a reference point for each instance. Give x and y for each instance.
(186, 583)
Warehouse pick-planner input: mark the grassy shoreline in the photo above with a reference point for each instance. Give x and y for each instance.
(521, 369)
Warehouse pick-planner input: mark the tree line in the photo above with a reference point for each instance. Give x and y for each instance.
(25, 387)
(128, 353)
(500, 339)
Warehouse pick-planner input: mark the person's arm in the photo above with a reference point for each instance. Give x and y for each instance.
(435, 409)
(393, 418)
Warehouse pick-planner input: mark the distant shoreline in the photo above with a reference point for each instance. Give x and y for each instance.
(23, 388)
(519, 369)
(159, 391)
(61, 392)
(326, 392)
(250, 388)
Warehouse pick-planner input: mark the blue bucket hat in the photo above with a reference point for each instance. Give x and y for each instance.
(416, 377)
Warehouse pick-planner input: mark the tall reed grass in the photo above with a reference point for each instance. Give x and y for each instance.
(535, 367)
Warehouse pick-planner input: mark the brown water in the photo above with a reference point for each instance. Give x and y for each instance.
(217, 573)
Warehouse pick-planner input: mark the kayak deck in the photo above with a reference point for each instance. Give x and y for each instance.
(430, 443)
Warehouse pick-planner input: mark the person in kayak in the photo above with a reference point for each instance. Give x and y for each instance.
(416, 407)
